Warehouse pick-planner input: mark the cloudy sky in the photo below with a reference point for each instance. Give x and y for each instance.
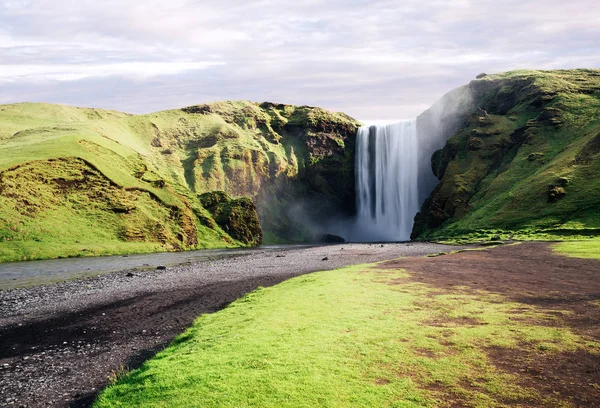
(373, 59)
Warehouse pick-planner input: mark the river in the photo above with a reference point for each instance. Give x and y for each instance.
(28, 273)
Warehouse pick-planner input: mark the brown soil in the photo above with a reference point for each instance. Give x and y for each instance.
(532, 274)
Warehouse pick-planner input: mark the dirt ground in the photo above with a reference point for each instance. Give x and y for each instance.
(532, 274)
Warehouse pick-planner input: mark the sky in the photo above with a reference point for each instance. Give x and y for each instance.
(373, 59)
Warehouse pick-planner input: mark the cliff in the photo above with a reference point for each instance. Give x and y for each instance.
(523, 161)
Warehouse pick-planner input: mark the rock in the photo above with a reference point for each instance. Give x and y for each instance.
(156, 142)
(555, 193)
(325, 259)
(161, 268)
(562, 182)
(237, 217)
(130, 275)
(475, 143)
(332, 239)
(485, 120)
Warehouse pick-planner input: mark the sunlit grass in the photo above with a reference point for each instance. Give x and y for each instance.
(579, 249)
(357, 336)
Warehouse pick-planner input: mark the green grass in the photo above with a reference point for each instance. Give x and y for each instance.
(579, 249)
(357, 336)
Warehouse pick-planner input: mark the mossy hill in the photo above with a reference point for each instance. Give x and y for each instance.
(78, 181)
(525, 161)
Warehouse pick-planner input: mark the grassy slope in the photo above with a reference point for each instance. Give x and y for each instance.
(140, 173)
(358, 337)
(34, 133)
(542, 130)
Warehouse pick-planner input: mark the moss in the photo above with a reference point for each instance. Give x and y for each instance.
(238, 217)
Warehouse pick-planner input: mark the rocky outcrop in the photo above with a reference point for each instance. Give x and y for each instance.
(297, 163)
(237, 217)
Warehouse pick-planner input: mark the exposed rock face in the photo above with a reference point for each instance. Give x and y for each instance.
(237, 217)
(505, 167)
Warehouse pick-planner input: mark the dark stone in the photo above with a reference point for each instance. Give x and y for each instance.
(156, 142)
(332, 239)
(475, 143)
(204, 109)
(555, 193)
(161, 268)
(325, 259)
(130, 275)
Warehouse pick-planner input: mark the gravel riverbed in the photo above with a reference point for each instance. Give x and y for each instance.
(61, 343)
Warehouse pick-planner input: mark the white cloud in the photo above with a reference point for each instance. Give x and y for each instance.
(72, 72)
(380, 59)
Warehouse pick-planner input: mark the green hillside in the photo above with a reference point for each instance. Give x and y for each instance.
(77, 181)
(525, 162)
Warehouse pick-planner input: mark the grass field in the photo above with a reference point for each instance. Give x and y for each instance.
(358, 336)
(579, 249)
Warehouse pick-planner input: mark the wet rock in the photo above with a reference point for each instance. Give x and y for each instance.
(332, 239)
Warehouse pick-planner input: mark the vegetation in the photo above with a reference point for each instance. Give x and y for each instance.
(76, 182)
(525, 164)
(579, 249)
(359, 336)
(237, 217)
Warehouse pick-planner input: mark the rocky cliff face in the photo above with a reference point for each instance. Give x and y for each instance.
(524, 159)
(297, 163)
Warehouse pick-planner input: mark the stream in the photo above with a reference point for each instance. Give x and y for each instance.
(28, 273)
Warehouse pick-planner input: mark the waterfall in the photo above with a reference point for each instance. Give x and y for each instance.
(387, 187)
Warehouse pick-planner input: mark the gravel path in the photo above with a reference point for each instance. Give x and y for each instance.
(61, 343)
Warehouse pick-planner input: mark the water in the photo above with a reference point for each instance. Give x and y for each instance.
(387, 181)
(17, 274)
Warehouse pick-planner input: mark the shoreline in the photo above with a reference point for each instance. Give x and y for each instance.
(60, 343)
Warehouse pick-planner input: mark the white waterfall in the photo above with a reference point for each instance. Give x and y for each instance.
(387, 187)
